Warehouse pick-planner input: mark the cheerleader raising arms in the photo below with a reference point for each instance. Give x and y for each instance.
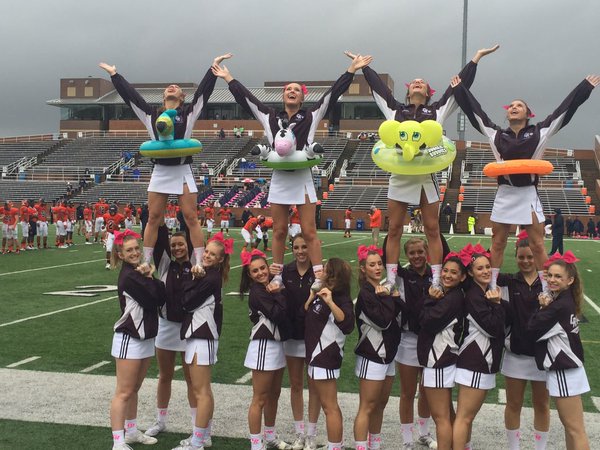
(293, 187)
(416, 189)
(517, 200)
(170, 175)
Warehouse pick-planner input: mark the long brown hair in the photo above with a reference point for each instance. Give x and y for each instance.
(338, 274)
(577, 285)
(245, 279)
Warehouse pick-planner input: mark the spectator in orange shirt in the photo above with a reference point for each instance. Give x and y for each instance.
(375, 216)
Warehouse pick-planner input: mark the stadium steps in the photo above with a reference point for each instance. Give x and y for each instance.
(347, 153)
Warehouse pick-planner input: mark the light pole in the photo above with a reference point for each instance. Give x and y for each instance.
(460, 125)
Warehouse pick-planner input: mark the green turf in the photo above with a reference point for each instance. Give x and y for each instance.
(88, 330)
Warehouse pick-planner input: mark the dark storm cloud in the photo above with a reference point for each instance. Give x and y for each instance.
(547, 47)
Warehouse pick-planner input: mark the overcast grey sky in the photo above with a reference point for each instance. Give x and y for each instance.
(547, 48)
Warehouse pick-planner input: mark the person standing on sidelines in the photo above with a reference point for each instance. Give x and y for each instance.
(225, 216)
(348, 222)
(112, 220)
(100, 208)
(88, 223)
(375, 224)
(24, 217)
(10, 217)
(209, 215)
(42, 224)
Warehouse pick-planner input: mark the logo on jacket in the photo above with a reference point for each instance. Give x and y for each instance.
(527, 135)
(575, 324)
(178, 119)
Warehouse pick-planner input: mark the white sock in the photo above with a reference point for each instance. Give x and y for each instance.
(423, 423)
(360, 445)
(374, 441)
(162, 414)
(256, 441)
(148, 254)
(436, 272)
(131, 426)
(299, 426)
(118, 437)
(514, 437)
(269, 433)
(193, 412)
(391, 272)
(334, 445)
(543, 280)
(198, 252)
(311, 429)
(407, 432)
(199, 436)
(317, 268)
(541, 439)
(495, 273)
(468, 444)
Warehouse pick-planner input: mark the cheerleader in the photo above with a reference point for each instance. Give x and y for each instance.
(558, 349)
(140, 297)
(441, 321)
(376, 312)
(518, 365)
(170, 175)
(480, 353)
(416, 189)
(298, 277)
(293, 187)
(413, 282)
(517, 200)
(329, 318)
(265, 355)
(201, 329)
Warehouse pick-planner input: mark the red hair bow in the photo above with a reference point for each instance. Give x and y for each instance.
(227, 243)
(363, 251)
(247, 256)
(464, 257)
(522, 236)
(469, 250)
(568, 257)
(531, 115)
(120, 235)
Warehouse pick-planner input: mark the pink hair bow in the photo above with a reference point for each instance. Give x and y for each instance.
(464, 257)
(120, 235)
(302, 86)
(567, 257)
(531, 115)
(363, 251)
(522, 236)
(247, 256)
(227, 243)
(430, 90)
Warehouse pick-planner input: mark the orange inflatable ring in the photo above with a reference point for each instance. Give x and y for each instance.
(518, 166)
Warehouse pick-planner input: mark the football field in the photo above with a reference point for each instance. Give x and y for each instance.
(57, 309)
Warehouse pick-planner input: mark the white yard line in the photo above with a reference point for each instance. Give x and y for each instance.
(23, 361)
(596, 402)
(245, 378)
(57, 311)
(49, 267)
(591, 303)
(502, 396)
(94, 367)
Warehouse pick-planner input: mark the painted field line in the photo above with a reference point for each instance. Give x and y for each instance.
(591, 303)
(596, 402)
(83, 305)
(23, 361)
(176, 368)
(590, 342)
(94, 367)
(502, 396)
(49, 267)
(244, 378)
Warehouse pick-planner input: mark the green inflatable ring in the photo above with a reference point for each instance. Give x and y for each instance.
(428, 160)
(175, 148)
